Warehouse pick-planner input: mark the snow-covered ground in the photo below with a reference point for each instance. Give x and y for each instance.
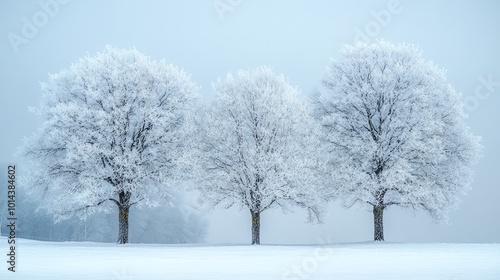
(69, 260)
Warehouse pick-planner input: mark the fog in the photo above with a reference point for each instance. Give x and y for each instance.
(208, 38)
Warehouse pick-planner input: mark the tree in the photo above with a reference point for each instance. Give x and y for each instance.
(396, 131)
(259, 147)
(113, 134)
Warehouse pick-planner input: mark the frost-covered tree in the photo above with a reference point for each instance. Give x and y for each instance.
(259, 147)
(396, 131)
(113, 135)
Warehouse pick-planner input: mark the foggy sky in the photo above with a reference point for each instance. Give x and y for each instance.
(296, 38)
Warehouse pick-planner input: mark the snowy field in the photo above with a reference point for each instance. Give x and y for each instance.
(69, 260)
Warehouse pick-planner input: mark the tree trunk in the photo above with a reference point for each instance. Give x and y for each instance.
(255, 227)
(378, 222)
(123, 224)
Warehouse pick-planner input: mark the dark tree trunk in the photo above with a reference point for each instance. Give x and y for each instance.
(255, 227)
(123, 224)
(378, 222)
(123, 209)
